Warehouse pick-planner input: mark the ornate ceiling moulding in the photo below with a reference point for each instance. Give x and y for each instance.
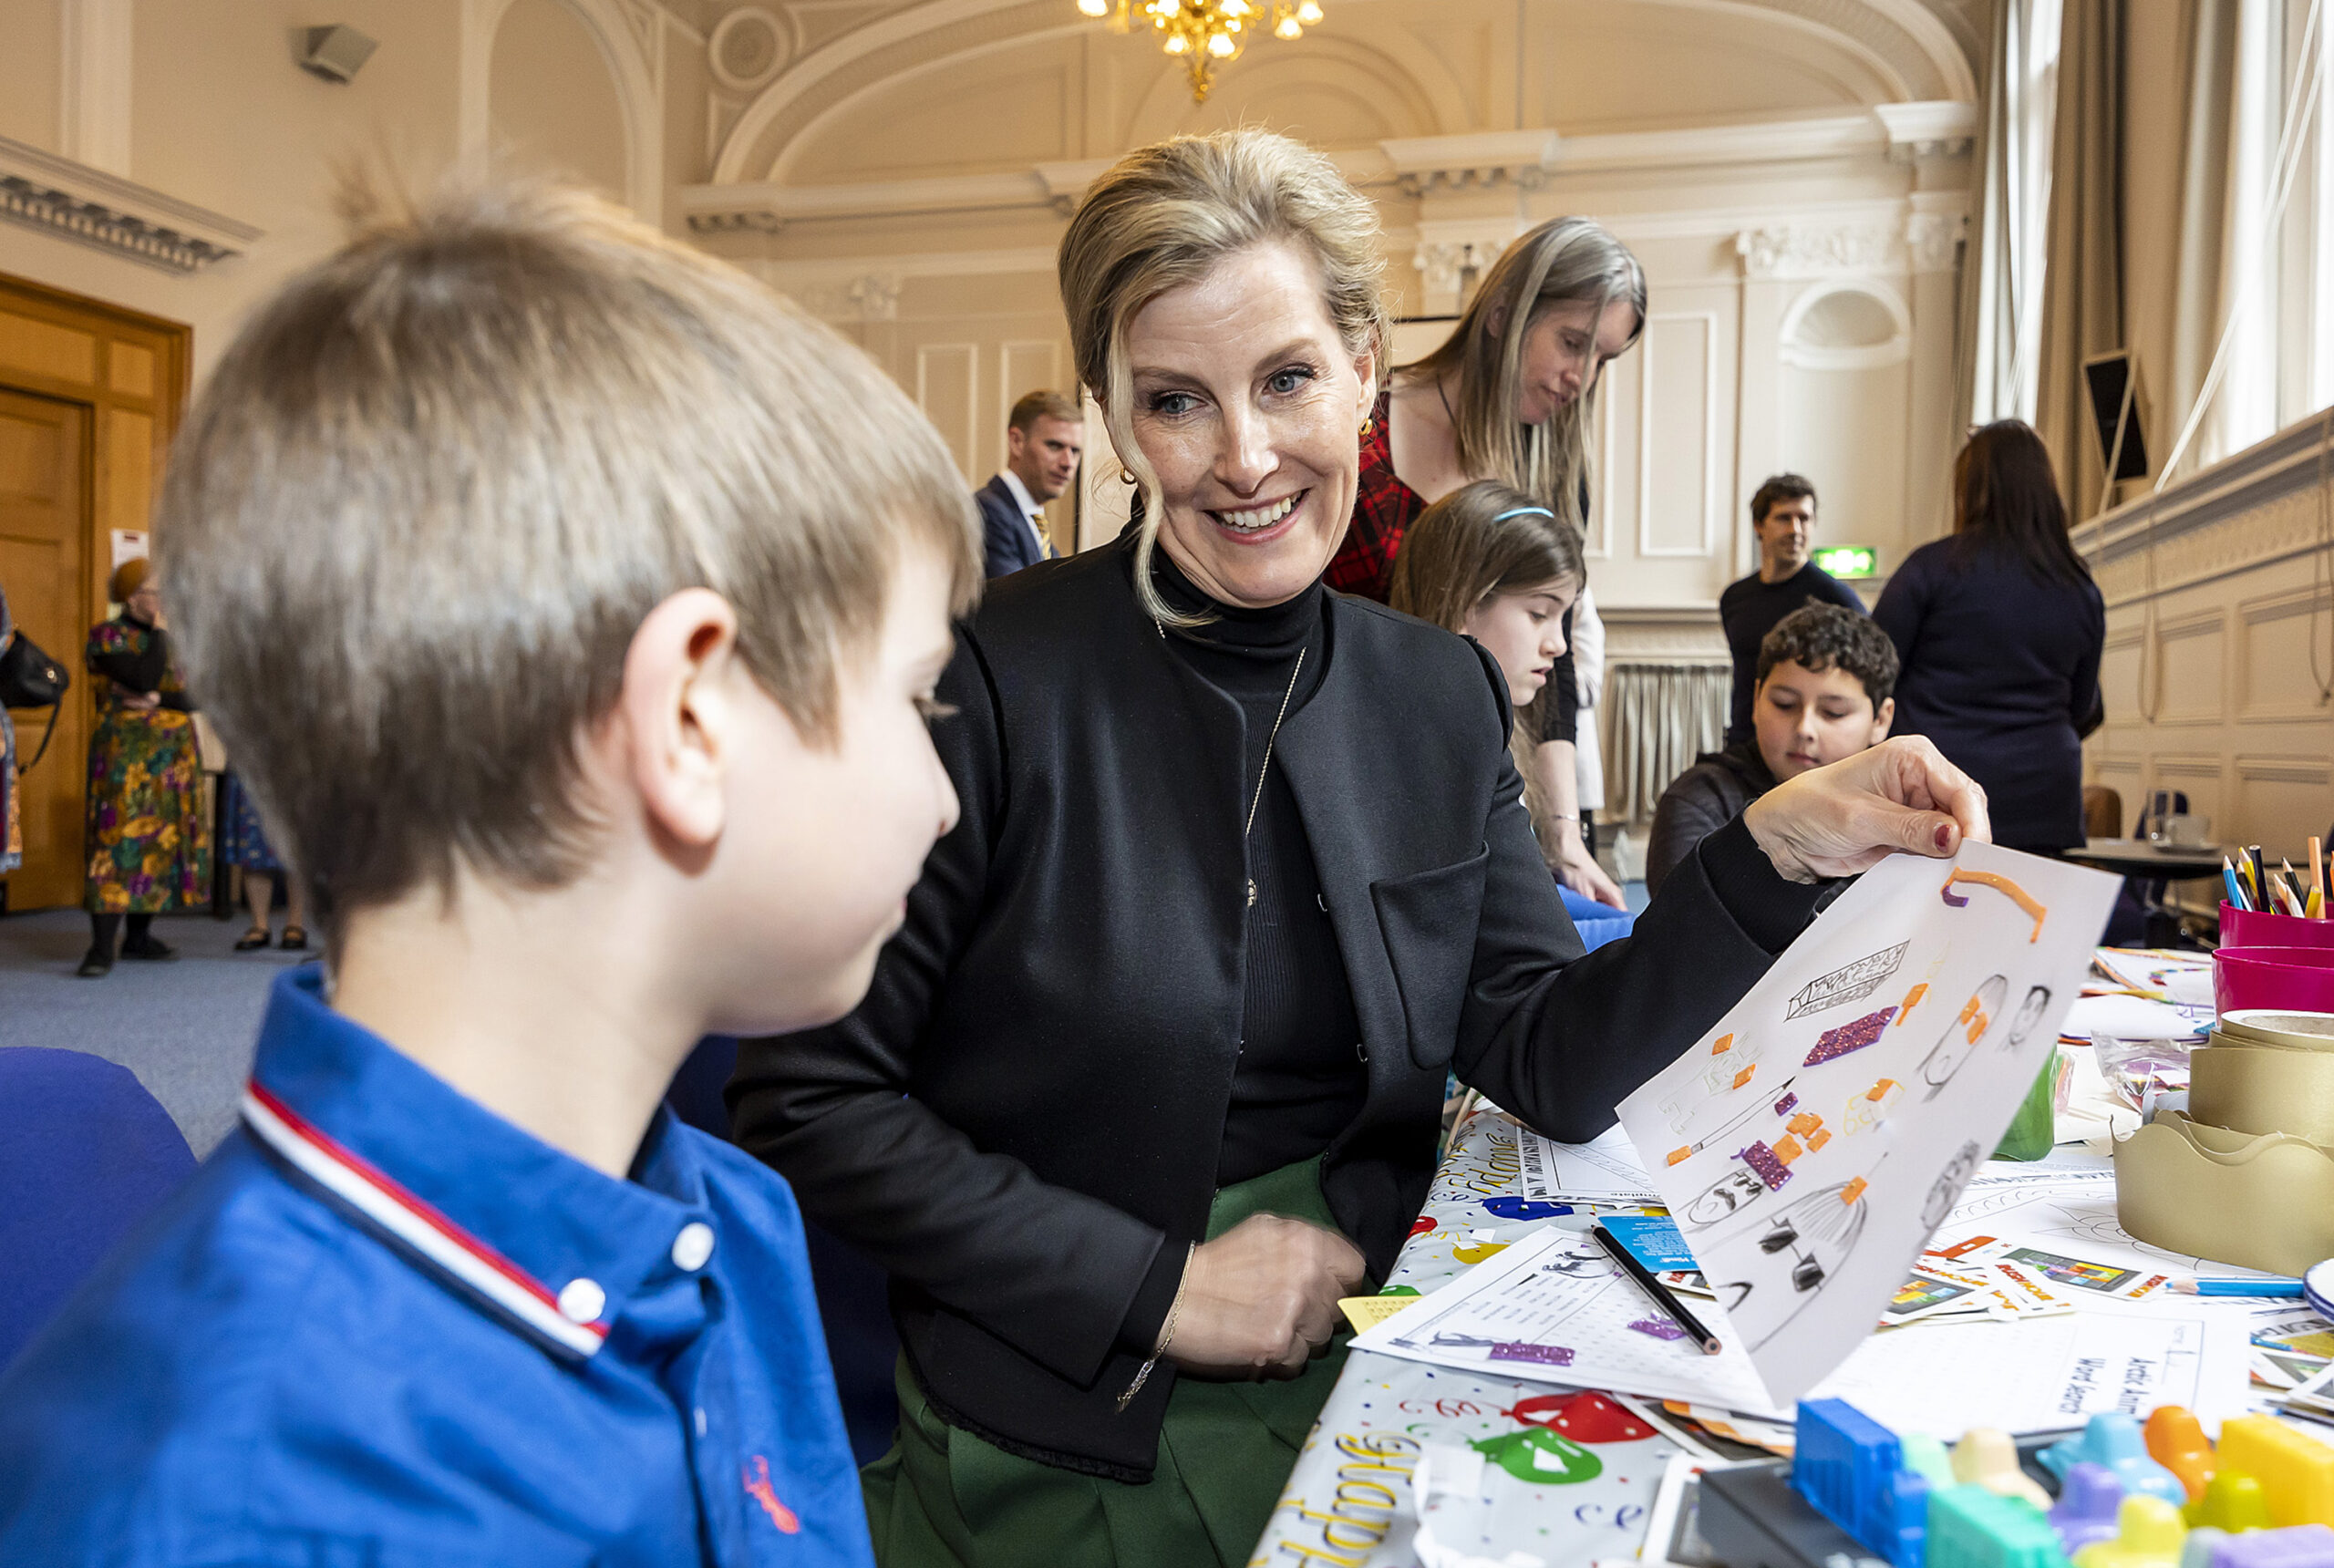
(45, 191)
(1923, 240)
(1424, 165)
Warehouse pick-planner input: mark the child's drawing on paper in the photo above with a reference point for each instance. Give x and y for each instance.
(1810, 1143)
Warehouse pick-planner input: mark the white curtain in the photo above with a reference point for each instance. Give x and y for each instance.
(2002, 284)
(1656, 719)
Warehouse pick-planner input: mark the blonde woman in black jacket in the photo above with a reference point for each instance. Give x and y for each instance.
(1151, 1076)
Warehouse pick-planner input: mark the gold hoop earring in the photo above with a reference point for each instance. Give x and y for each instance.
(1369, 426)
(1125, 477)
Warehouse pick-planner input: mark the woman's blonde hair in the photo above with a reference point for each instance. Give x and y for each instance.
(1166, 215)
(1485, 539)
(1565, 261)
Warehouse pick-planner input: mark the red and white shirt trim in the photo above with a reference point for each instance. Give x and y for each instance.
(379, 1198)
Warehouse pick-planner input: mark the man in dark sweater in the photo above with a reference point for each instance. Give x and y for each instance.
(1783, 516)
(1825, 690)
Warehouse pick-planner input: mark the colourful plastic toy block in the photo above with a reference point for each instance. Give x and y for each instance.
(2296, 1471)
(2149, 1535)
(1850, 1468)
(2112, 1439)
(2197, 1552)
(2087, 1507)
(1969, 1527)
(2303, 1546)
(2232, 1501)
(2175, 1440)
(1925, 1457)
(1986, 1457)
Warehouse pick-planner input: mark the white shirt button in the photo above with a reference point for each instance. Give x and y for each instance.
(583, 1301)
(693, 1246)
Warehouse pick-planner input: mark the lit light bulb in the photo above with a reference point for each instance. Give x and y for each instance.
(1235, 7)
(1094, 7)
(1232, 26)
(1178, 45)
(1309, 12)
(1219, 46)
(1286, 27)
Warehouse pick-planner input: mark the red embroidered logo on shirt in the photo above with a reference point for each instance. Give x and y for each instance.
(758, 1486)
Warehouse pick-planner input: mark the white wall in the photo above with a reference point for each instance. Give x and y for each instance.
(2219, 669)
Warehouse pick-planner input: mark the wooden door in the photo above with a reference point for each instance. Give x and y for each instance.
(45, 571)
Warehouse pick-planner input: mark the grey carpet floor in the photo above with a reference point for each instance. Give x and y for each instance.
(185, 1028)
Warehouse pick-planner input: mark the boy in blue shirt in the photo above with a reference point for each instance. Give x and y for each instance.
(573, 608)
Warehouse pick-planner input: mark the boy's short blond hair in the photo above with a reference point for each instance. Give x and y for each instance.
(439, 480)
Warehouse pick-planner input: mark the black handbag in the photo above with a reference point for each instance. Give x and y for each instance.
(30, 678)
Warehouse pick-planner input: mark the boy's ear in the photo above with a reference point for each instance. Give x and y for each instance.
(679, 714)
(1882, 718)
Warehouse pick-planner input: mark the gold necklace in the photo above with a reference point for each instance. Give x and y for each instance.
(1258, 798)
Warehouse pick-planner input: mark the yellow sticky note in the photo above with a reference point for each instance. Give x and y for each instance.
(1366, 1311)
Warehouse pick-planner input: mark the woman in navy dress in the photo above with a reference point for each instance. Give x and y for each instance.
(1999, 628)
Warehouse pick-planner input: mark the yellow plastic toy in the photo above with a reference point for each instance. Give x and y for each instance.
(2149, 1535)
(2295, 1471)
(2231, 1501)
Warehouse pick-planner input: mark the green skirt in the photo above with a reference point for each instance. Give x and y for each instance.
(945, 1499)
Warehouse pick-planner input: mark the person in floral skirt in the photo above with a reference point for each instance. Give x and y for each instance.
(149, 845)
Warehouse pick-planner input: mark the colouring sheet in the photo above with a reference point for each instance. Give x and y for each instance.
(1812, 1141)
(1603, 1171)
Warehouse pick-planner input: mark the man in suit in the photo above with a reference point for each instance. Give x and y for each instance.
(1042, 441)
(1783, 516)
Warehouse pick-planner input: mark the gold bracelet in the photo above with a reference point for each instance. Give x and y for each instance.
(1166, 1334)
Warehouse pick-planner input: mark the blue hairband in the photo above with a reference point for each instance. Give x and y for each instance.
(1526, 511)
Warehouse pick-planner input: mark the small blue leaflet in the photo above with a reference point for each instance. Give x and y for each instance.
(1652, 1239)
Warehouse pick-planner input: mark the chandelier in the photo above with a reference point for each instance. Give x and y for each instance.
(1206, 34)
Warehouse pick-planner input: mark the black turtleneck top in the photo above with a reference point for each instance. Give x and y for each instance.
(1300, 1080)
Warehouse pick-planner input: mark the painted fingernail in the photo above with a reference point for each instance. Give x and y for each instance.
(1944, 836)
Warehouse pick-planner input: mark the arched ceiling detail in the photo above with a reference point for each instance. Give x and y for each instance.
(1905, 40)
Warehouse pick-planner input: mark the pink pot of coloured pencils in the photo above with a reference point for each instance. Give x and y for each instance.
(2291, 979)
(2259, 928)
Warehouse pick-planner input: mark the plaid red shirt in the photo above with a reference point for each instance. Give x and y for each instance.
(1383, 510)
(1383, 507)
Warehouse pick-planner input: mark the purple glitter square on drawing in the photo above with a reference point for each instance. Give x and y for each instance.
(1856, 1036)
(1761, 1158)
(1541, 1355)
(1782, 1106)
(1659, 1327)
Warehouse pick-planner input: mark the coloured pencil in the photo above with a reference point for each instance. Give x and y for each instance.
(1658, 1292)
(2236, 898)
(2237, 1286)
(2317, 869)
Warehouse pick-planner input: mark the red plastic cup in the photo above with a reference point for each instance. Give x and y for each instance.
(2260, 928)
(2290, 979)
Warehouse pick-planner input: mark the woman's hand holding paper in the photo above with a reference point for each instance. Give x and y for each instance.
(1844, 819)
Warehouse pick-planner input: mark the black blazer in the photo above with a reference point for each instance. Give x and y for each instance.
(1029, 1103)
(1009, 542)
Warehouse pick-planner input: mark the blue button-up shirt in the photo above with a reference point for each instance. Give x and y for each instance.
(383, 1327)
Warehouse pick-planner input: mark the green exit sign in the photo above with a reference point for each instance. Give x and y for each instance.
(1849, 560)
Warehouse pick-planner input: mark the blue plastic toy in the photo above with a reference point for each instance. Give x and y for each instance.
(1851, 1468)
(2114, 1439)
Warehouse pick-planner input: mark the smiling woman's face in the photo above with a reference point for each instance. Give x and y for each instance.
(1248, 407)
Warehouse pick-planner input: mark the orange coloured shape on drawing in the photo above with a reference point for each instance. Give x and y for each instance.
(1805, 1123)
(1853, 1190)
(1912, 1000)
(1818, 1141)
(1879, 1091)
(1677, 1154)
(1724, 1043)
(1744, 1076)
(1787, 1150)
(1978, 1027)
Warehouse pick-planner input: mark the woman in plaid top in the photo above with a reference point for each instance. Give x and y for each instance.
(1509, 396)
